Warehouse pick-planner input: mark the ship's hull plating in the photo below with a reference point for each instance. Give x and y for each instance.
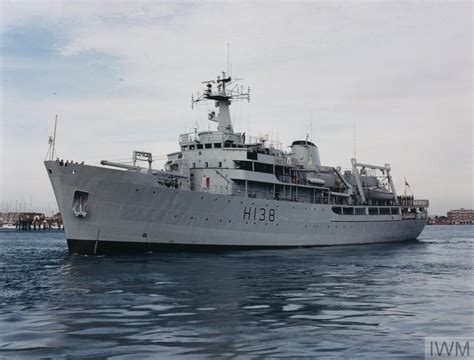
(128, 211)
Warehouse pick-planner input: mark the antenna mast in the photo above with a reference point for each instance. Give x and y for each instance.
(52, 142)
(54, 136)
(354, 124)
(228, 59)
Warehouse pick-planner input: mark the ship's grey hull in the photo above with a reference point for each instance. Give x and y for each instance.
(130, 211)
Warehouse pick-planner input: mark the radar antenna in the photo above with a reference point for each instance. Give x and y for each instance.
(222, 91)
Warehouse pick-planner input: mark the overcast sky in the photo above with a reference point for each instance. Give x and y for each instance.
(120, 76)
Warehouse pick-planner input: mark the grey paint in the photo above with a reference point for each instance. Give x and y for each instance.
(118, 212)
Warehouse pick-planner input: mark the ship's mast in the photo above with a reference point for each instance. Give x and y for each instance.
(223, 96)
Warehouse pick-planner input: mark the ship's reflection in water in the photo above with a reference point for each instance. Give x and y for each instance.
(358, 301)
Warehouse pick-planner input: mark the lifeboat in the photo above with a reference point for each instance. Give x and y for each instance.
(378, 194)
(316, 181)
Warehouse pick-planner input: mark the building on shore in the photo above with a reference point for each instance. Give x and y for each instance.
(461, 216)
(438, 220)
(28, 221)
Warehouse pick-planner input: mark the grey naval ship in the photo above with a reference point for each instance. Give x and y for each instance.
(226, 190)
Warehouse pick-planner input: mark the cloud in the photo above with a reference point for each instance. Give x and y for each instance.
(120, 76)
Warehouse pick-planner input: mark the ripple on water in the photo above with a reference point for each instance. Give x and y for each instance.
(156, 307)
(177, 314)
(255, 307)
(361, 301)
(292, 307)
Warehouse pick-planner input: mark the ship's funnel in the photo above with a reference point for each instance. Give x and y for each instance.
(306, 154)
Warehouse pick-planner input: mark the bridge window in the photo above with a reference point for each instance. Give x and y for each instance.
(395, 211)
(208, 146)
(244, 165)
(263, 168)
(199, 146)
(252, 155)
(373, 211)
(384, 211)
(337, 210)
(191, 147)
(217, 145)
(348, 211)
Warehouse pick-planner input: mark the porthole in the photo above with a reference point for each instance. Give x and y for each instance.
(202, 197)
(154, 192)
(136, 190)
(49, 170)
(207, 219)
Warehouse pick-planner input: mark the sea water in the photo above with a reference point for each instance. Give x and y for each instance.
(366, 301)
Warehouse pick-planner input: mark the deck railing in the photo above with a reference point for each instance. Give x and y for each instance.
(421, 203)
(316, 198)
